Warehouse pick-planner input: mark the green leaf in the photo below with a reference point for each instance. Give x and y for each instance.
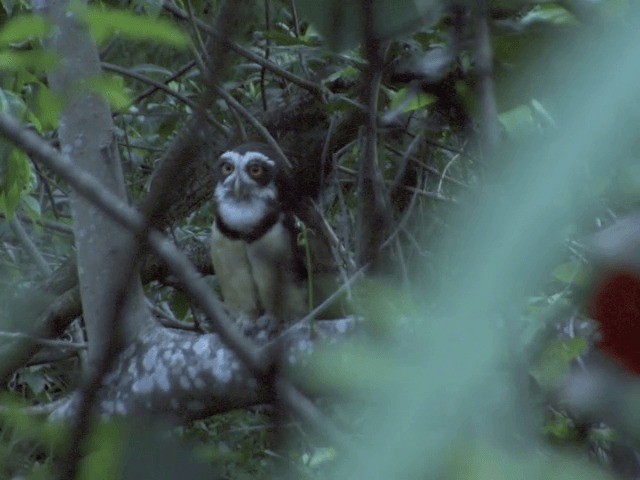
(574, 272)
(33, 59)
(556, 359)
(31, 207)
(34, 380)
(12, 104)
(347, 72)
(47, 107)
(560, 427)
(519, 121)
(406, 100)
(112, 89)
(104, 23)
(180, 305)
(550, 14)
(320, 456)
(286, 40)
(8, 5)
(24, 27)
(15, 171)
(106, 450)
(340, 21)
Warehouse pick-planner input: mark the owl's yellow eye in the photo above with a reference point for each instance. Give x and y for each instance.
(256, 170)
(226, 169)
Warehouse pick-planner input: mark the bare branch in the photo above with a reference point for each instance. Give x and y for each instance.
(489, 127)
(373, 209)
(29, 246)
(264, 133)
(178, 73)
(45, 341)
(311, 87)
(161, 86)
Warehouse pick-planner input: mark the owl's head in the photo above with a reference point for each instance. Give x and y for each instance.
(247, 186)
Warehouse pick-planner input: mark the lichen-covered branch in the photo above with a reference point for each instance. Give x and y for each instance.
(188, 376)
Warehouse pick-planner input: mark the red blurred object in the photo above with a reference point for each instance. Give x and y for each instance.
(615, 306)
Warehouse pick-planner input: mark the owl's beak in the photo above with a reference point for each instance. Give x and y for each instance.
(239, 188)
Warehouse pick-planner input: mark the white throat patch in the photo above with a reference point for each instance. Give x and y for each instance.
(240, 215)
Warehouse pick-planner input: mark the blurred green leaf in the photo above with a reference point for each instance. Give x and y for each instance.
(34, 380)
(106, 22)
(347, 72)
(15, 172)
(180, 304)
(355, 369)
(549, 13)
(319, 457)
(573, 272)
(519, 122)
(112, 89)
(340, 21)
(284, 39)
(31, 206)
(486, 462)
(33, 59)
(47, 107)
(625, 188)
(106, 449)
(560, 427)
(22, 28)
(555, 361)
(408, 100)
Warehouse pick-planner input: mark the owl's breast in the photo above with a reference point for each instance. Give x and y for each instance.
(234, 274)
(260, 276)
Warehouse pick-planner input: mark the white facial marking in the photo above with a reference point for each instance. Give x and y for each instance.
(240, 160)
(242, 216)
(242, 202)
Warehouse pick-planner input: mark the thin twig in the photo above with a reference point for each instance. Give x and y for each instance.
(167, 319)
(334, 296)
(29, 246)
(48, 224)
(374, 215)
(444, 172)
(161, 86)
(151, 90)
(263, 70)
(47, 189)
(296, 32)
(194, 27)
(401, 224)
(264, 133)
(312, 87)
(489, 127)
(308, 412)
(428, 168)
(424, 193)
(44, 341)
(404, 161)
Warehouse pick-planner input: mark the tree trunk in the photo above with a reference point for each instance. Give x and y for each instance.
(87, 137)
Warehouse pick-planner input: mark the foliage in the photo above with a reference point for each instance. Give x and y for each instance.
(448, 269)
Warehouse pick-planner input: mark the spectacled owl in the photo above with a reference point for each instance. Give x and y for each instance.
(259, 266)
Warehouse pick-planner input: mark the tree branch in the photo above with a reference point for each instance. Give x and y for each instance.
(374, 213)
(29, 246)
(311, 87)
(161, 86)
(489, 127)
